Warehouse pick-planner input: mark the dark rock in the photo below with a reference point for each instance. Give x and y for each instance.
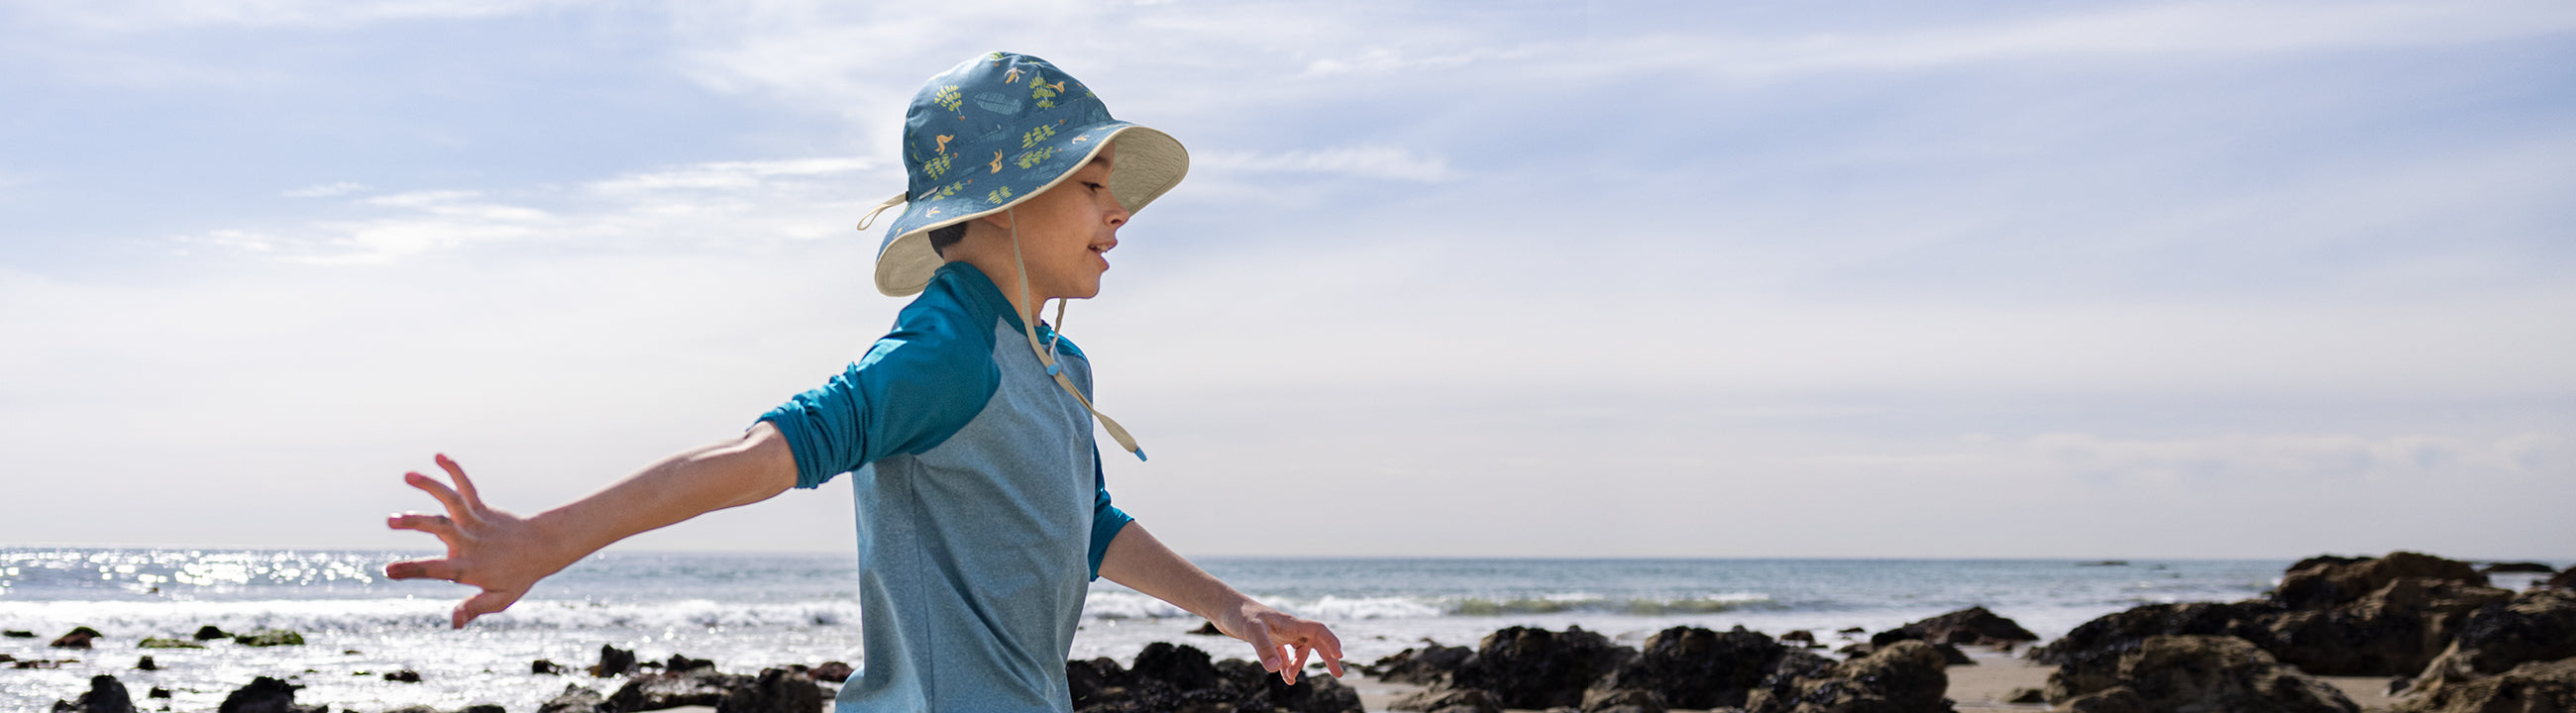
(1528, 667)
(1973, 625)
(2564, 580)
(2520, 567)
(1903, 677)
(2328, 581)
(775, 690)
(18, 634)
(106, 695)
(1852, 630)
(1207, 629)
(2537, 625)
(1695, 668)
(210, 633)
(2116, 699)
(270, 637)
(146, 664)
(672, 689)
(78, 638)
(158, 692)
(678, 663)
(1430, 665)
(415, 709)
(2104, 563)
(613, 661)
(545, 667)
(1440, 700)
(2394, 631)
(1262, 690)
(1622, 701)
(1801, 636)
(2105, 639)
(1184, 667)
(833, 671)
(159, 643)
(403, 676)
(2026, 695)
(576, 699)
(491, 708)
(1952, 656)
(266, 695)
(2214, 673)
(1095, 682)
(2530, 687)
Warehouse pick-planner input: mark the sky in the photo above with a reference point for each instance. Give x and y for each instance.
(1518, 278)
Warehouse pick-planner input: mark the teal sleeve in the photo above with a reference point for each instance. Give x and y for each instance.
(913, 390)
(1106, 519)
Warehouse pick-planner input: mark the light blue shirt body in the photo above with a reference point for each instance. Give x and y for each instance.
(982, 514)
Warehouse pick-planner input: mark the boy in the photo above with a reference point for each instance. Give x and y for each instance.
(982, 511)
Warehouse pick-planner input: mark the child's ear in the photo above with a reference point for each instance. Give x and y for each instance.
(1000, 220)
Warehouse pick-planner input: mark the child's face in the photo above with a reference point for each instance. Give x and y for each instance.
(1066, 231)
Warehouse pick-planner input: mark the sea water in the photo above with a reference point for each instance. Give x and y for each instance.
(750, 611)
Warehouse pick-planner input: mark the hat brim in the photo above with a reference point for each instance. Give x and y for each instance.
(1150, 163)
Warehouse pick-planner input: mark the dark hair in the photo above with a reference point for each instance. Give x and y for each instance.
(947, 235)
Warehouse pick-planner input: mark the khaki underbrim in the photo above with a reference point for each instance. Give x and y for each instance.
(1150, 163)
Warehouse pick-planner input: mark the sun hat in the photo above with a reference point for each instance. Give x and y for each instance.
(993, 131)
(990, 133)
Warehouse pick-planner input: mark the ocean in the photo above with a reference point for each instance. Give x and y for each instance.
(749, 611)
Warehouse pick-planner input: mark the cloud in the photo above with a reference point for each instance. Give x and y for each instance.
(1373, 162)
(324, 190)
(692, 205)
(132, 16)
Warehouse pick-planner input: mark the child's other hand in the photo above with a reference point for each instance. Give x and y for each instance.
(495, 550)
(1284, 642)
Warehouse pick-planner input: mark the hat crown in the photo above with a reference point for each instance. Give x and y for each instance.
(990, 114)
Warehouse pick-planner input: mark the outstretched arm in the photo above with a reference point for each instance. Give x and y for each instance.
(505, 554)
(1142, 563)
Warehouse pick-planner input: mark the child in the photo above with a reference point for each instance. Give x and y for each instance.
(983, 514)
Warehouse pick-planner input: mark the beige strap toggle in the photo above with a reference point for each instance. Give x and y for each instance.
(871, 217)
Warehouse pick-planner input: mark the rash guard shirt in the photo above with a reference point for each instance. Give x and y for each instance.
(982, 513)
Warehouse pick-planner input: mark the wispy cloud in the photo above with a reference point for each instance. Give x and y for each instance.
(1376, 162)
(324, 190)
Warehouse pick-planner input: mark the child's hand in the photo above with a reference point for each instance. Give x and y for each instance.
(1278, 638)
(495, 550)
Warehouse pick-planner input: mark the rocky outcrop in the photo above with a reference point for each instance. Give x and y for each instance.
(2105, 639)
(78, 638)
(1181, 678)
(160, 643)
(2217, 674)
(2536, 626)
(1903, 677)
(576, 699)
(2564, 580)
(2332, 616)
(775, 690)
(1426, 666)
(1447, 700)
(1695, 668)
(1527, 667)
(613, 661)
(672, 689)
(210, 633)
(1973, 626)
(2518, 567)
(2531, 687)
(106, 695)
(2329, 581)
(2393, 631)
(1622, 701)
(266, 695)
(270, 637)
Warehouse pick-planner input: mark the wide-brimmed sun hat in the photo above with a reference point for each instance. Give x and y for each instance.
(992, 132)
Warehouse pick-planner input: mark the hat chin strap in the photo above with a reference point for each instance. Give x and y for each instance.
(1046, 353)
